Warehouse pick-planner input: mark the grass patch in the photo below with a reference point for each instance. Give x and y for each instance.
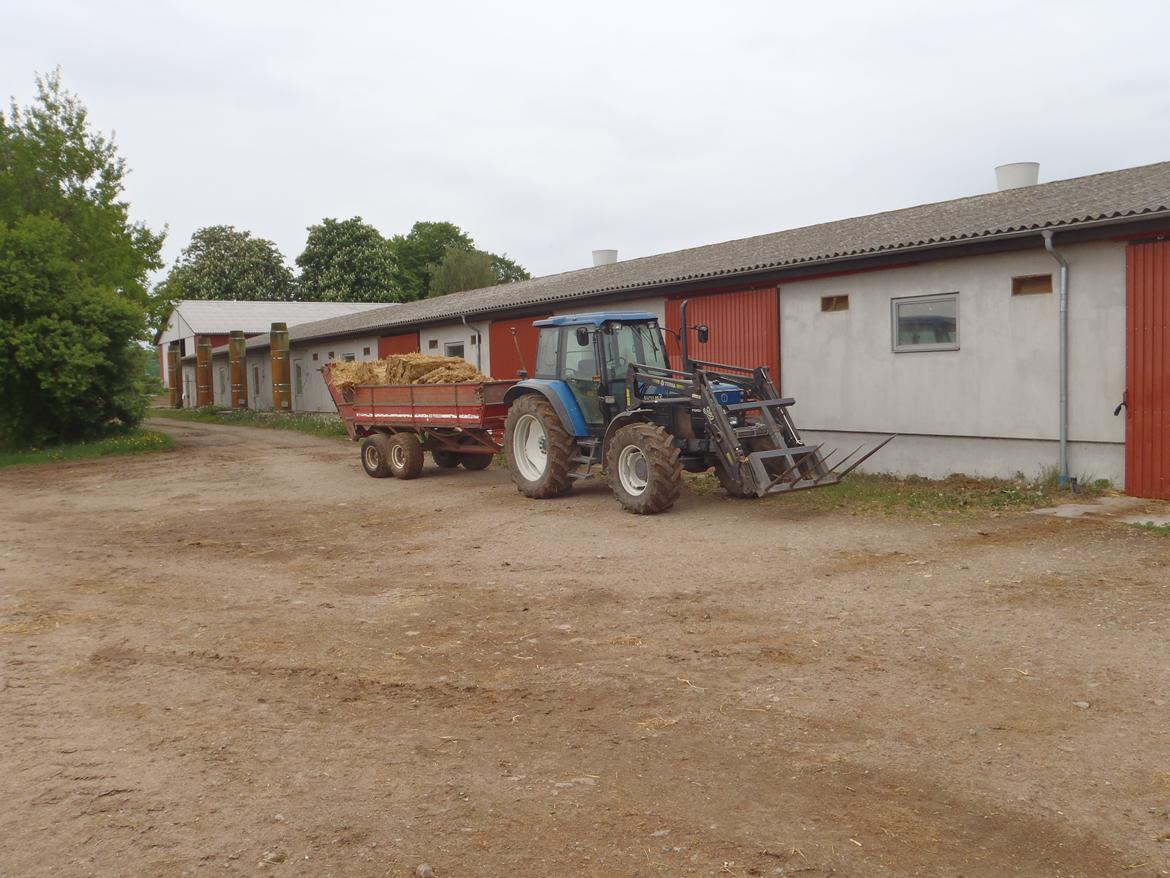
(313, 423)
(1162, 530)
(884, 493)
(134, 442)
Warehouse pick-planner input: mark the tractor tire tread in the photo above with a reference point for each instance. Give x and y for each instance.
(665, 481)
(557, 479)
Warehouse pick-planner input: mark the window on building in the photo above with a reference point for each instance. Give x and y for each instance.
(255, 381)
(453, 349)
(834, 303)
(349, 358)
(433, 344)
(1031, 284)
(926, 323)
(365, 352)
(331, 355)
(474, 339)
(300, 387)
(314, 358)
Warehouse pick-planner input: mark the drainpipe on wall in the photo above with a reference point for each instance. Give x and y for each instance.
(478, 342)
(1063, 304)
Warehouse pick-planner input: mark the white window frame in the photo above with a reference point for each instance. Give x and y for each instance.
(932, 346)
(455, 344)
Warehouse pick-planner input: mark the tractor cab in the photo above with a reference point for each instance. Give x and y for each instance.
(590, 354)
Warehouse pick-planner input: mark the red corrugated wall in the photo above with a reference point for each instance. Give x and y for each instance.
(406, 343)
(505, 360)
(1147, 420)
(745, 328)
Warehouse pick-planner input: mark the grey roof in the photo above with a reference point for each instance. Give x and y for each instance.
(1116, 195)
(207, 316)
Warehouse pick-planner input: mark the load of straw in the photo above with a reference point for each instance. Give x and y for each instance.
(405, 369)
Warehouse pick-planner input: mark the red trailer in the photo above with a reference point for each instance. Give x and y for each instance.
(396, 423)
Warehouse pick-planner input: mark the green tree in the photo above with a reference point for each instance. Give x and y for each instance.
(417, 251)
(347, 261)
(73, 276)
(462, 269)
(507, 271)
(226, 264)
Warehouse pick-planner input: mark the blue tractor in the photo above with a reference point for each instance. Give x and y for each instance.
(603, 394)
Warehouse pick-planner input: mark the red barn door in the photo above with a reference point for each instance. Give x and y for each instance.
(506, 361)
(1147, 419)
(745, 329)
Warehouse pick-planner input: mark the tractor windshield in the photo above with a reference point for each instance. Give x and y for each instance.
(633, 343)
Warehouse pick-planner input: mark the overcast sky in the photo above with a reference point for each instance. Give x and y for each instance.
(546, 130)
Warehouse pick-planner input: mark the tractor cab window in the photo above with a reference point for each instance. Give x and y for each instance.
(639, 343)
(633, 343)
(546, 353)
(580, 370)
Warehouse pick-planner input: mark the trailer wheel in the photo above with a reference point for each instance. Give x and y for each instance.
(475, 461)
(405, 455)
(644, 471)
(375, 452)
(445, 459)
(538, 448)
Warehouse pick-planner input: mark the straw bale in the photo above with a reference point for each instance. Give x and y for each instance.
(406, 369)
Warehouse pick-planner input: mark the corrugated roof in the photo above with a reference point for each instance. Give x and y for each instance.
(1116, 195)
(206, 316)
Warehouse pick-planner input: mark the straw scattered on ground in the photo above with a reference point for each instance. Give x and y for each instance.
(406, 369)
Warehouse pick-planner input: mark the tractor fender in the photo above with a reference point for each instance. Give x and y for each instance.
(633, 416)
(559, 397)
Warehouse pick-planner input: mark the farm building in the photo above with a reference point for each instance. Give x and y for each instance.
(944, 323)
(191, 320)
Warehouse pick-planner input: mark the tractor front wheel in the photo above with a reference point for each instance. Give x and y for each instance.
(644, 471)
(538, 448)
(405, 456)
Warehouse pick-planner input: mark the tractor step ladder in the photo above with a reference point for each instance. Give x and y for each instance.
(588, 452)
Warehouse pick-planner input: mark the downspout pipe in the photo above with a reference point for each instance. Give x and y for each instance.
(478, 342)
(1062, 299)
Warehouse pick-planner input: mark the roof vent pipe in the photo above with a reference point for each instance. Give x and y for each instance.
(604, 257)
(1017, 175)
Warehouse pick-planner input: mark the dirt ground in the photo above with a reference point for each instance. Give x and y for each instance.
(246, 657)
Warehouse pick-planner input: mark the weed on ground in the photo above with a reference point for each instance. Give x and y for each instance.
(134, 442)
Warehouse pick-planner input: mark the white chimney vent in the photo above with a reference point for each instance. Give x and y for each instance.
(1017, 175)
(604, 257)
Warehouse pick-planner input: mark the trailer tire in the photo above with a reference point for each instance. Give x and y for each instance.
(405, 455)
(375, 454)
(475, 461)
(644, 471)
(445, 459)
(540, 465)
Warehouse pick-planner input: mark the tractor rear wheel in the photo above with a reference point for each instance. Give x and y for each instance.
(445, 459)
(644, 471)
(538, 448)
(375, 453)
(475, 461)
(405, 456)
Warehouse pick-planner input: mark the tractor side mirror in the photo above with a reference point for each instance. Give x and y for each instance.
(582, 336)
(703, 333)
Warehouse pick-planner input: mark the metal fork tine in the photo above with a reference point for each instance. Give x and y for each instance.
(865, 456)
(797, 461)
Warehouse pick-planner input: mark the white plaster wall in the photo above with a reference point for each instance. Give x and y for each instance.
(937, 457)
(315, 395)
(1003, 382)
(221, 381)
(655, 305)
(457, 332)
(188, 385)
(260, 360)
